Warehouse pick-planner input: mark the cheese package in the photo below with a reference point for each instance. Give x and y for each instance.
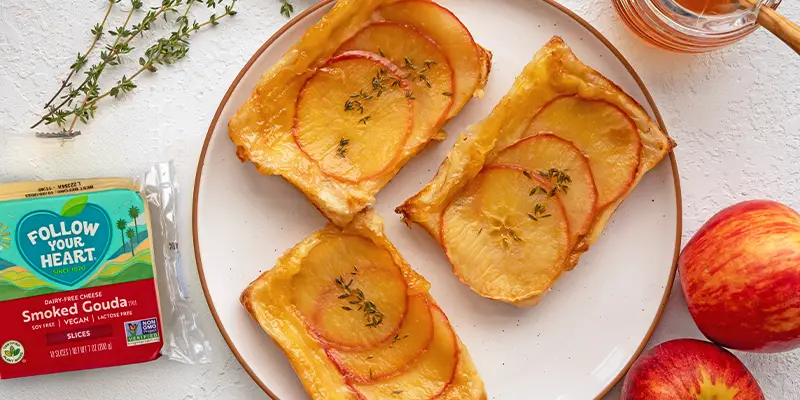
(79, 278)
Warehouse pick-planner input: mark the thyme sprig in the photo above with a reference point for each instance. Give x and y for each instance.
(166, 50)
(355, 297)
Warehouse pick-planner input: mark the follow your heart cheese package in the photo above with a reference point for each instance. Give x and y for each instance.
(90, 276)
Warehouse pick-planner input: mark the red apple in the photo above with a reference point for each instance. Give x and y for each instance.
(689, 369)
(741, 277)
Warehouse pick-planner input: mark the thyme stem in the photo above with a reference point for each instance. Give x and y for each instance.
(115, 53)
(97, 33)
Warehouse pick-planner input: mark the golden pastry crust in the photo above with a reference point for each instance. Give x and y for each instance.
(262, 128)
(268, 299)
(554, 72)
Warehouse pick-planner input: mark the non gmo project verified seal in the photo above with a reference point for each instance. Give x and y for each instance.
(141, 332)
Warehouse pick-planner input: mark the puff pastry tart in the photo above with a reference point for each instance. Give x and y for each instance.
(363, 91)
(357, 322)
(521, 197)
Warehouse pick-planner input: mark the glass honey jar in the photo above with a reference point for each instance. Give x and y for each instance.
(692, 26)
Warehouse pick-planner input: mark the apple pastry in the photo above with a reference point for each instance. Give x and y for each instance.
(519, 199)
(357, 322)
(363, 91)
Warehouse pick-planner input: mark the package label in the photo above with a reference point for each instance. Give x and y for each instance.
(77, 285)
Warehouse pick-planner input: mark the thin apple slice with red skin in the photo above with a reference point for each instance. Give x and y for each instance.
(441, 25)
(352, 137)
(356, 263)
(425, 67)
(394, 356)
(542, 153)
(505, 240)
(429, 376)
(603, 132)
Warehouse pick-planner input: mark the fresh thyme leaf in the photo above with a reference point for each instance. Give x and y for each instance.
(398, 391)
(424, 79)
(365, 119)
(380, 51)
(514, 235)
(398, 338)
(370, 357)
(527, 174)
(539, 211)
(370, 373)
(341, 151)
(448, 94)
(409, 64)
(286, 8)
(347, 308)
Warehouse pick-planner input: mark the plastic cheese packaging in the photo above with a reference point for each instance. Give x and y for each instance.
(82, 263)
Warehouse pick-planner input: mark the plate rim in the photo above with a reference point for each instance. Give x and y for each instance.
(553, 3)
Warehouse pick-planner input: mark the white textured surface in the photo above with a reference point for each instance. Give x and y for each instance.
(735, 114)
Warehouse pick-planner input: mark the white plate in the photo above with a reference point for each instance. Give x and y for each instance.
(575, 345)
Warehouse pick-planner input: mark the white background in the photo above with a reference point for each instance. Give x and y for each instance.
(735, 114)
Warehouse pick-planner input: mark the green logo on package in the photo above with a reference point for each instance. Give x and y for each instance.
(65, 248)
(12, 352)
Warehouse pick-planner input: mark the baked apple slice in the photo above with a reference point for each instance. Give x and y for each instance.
(506, 237)
(394, 356)
(428, 377)
(470, 62)
(350, 293)
(602, 131)
(567, 170)
(425, 67)
(354, 115)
